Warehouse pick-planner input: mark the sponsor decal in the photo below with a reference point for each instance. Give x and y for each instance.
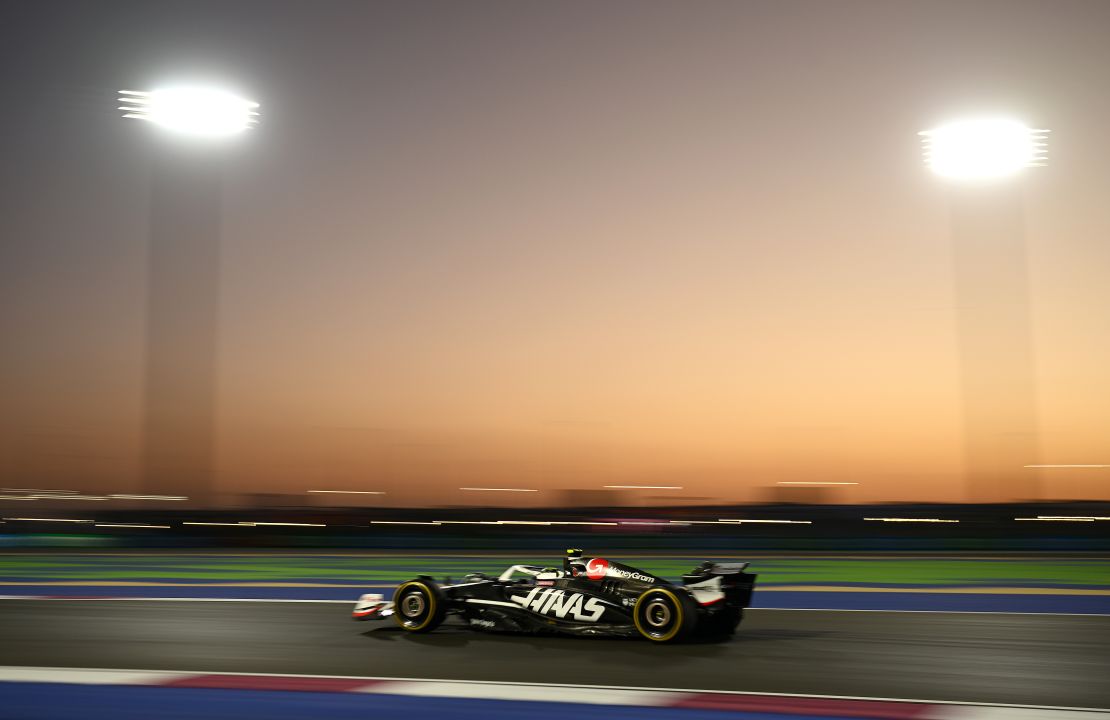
(548, 601)
(483, 623)
(599, 568)
(631, 575)
(596, 568)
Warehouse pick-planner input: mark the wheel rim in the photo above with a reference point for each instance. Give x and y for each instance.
(658, 614)
(412, 605)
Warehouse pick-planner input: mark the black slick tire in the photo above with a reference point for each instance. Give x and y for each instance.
(418, 606)
(663, 615)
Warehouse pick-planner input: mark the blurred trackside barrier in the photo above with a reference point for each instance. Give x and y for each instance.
(839, 529)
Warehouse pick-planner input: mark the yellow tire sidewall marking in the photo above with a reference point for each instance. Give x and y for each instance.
(431, 605)
(679, 615)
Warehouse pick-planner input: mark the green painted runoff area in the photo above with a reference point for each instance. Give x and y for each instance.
(383, 570)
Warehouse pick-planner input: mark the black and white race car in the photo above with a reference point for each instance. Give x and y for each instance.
(588, 596)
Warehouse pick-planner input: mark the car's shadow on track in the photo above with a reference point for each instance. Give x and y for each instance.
(461, 636)
(776, 634)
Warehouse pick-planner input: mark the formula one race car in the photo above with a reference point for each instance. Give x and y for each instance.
(588, 596)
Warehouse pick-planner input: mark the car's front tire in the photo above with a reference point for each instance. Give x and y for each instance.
(662, 615)
(418, 606)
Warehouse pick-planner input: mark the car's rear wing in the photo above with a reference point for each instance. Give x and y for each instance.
(708, 569)
(728, 579)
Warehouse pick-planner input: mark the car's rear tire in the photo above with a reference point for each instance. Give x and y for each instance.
(418, 606)
(662, 615)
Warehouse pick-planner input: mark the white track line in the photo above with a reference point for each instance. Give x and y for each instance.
(90, 676)
(21, 671)
(461, 689)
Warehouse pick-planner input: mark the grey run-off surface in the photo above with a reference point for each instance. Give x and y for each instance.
(995, 658)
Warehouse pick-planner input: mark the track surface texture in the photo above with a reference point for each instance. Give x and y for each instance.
(995, 658)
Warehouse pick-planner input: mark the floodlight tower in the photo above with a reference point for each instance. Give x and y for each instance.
(980, 159)
(183, 280)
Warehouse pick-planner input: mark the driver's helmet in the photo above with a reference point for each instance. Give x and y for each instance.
(548, 574)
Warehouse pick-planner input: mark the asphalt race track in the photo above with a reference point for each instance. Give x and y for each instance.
(996, 658)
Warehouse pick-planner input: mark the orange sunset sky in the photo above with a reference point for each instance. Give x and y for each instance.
(562, 245)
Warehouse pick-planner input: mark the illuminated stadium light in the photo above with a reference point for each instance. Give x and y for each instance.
(644, 487)
(487, 489)
(914, 520)
(983, 148)
(148, 497)
(200, 111)
(1072, 517)
(1057, 519)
